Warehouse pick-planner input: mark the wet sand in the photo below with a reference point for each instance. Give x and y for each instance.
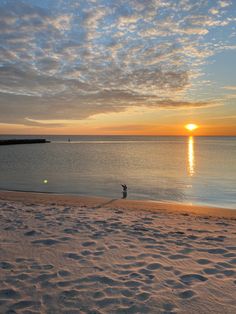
(68, 254)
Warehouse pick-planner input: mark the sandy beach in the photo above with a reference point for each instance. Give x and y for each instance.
(68, 254)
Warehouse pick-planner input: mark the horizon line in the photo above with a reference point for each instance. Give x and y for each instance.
(147, 135)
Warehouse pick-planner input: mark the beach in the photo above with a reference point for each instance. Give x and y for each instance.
(70, 254)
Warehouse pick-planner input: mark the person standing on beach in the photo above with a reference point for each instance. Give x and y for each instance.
(125, 188)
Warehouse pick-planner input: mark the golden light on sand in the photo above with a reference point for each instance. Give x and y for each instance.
(191, 161)
(191, 126)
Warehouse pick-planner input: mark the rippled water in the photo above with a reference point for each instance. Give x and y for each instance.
(198, 170)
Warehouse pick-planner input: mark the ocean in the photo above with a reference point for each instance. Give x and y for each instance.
(193, 170)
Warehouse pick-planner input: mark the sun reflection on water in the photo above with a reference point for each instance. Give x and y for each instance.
(191, 160)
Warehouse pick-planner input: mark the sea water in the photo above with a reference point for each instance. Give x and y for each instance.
(196, 170)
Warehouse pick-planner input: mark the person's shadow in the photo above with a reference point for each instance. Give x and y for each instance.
(105, 204)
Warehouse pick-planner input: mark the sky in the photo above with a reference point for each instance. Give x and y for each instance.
(117, 67)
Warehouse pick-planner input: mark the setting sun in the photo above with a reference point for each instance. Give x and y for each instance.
(191, 126)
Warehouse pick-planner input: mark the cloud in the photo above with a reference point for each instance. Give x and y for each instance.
(170, 104)
(224, 4)
(32, 122)
(75, 59)
(62, 22)
(231, 96)
(69, 107)
(195, 31)
(230, 88)
(214, 11)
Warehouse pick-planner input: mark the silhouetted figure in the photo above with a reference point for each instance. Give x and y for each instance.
(125, 188)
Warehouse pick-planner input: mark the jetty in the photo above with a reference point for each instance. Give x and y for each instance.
(24, 141)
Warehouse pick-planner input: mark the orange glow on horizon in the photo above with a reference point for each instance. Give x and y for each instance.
(93, 127)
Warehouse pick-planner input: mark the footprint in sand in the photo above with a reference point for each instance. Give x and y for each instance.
(168, 307)
(106, 302)
(63, 239)
(232, 261)
(154, 266)
(185, 251)
(6, 265)
(9, 294)
(229, 255)
(98, 295)
(174, 284)
(89, 243)
(187, 294)
(147, 239)
(192, 278)
(47, 242)
(127, 293)
(113, 247)
(231, 248)
(64, 273)
(70, 299)
(23, 277)
(64, 284)
(130, 257)
(45, 277)
(71, 231)
(25, 304)
(86, 252)
(177, 256)
(73, 256)
(203, 261)
(144, 296)
(225, 265)
(229, 273)
(133, 284)
(119, 212)
(211, 271)
(217, 239)
(31, 233)
(217, 251)
(112, 291)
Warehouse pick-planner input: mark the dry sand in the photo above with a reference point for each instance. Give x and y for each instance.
(64, 254)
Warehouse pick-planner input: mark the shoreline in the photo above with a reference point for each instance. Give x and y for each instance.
(105, 202)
